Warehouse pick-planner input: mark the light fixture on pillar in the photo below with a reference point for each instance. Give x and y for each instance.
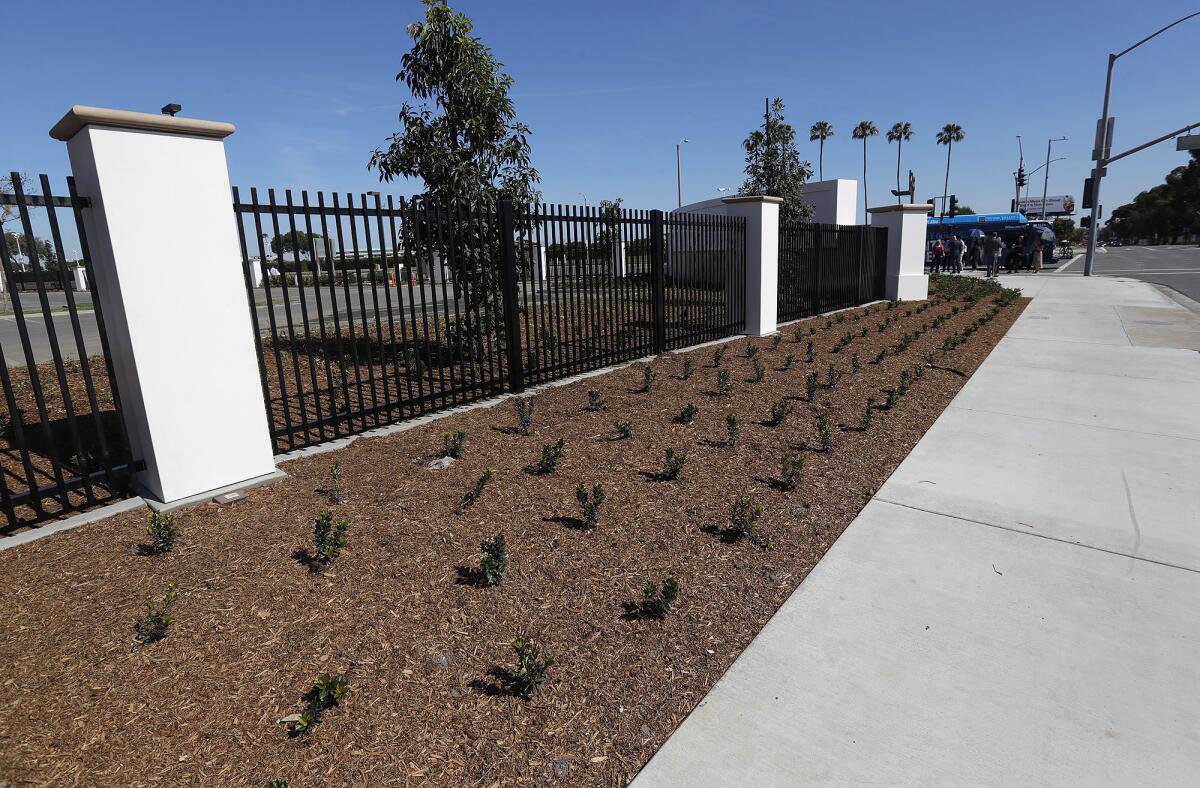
(171, 109)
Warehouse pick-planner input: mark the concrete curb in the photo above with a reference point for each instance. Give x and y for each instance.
(50, 529)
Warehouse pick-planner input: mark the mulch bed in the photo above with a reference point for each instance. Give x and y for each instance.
(81, 703)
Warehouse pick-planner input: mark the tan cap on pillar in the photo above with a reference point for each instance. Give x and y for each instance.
(78, 116)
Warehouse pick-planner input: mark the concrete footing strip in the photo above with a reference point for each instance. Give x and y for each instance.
(42, 531)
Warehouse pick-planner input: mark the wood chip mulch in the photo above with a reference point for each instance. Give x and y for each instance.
(424, 649)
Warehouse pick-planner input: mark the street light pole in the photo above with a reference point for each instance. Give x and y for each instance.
(679, 173)
(1020, 168)
(1046, 175)
(1102, 140)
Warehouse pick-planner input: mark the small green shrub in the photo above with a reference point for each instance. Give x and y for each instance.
(472, 495)
(624, 429)
(327, 691)
(775, 340)
(789, 472)
(648, 377)
(531, 671)
(798, 333)
(723, 382)
(162, 531)
(854, 365)
(810, 353)
(551, 454)
(493, 561)
(687, 414)
(760, 372)
(839, 317)
(892, 398)
(824, 433)
(524, 408)
(778, 413)
(743, 520)
(329, 538)
(595, 401)
(154, 626)
(905, 382)
(335, 480)
(828, 324)
(590, 504)
(788, 360)
(454, 443)
(866, 418)
(718, 355)
(731, 429)
(673, 463)
(687, 368)
(882, 355)
(812, 331)
(832, 376)
(657, 604)
(811, 385)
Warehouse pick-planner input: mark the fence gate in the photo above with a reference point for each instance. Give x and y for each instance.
(369, 311)
(63, 444)
(823, 267)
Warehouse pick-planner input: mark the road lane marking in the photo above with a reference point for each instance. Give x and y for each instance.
(1066, 265)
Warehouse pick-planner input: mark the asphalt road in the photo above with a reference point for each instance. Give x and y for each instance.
(1177, 267)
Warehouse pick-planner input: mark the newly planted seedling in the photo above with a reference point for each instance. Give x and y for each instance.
(854, 365)
(743, 520)
(832, 376)
(551, 454)
(824, 433)
(718, 355)
(811, 385)
(775, 340)
(531, 671)
(673, 463)
(493, 561)
(788, 360)
(778, 413)
(723, 382)
(329, 537)
(595, 401)
(867, 411)
(751, 350)
(153, 626)
(624, 429)
(687, 368)
(657, 604)
(687, 414)
(472, 495)
(810, 354)
(454, 443)
(648, 377)
(789, 472)
(731, 429)
(590, 504)
(162, 531)
(760, 372)
(524, 409)
(327, 691)
(335, 480)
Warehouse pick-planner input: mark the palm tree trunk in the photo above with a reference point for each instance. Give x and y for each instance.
(946, 186)
(864, 180)
(821, 159)
(899, 143)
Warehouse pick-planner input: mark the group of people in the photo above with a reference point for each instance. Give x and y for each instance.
(988, 252)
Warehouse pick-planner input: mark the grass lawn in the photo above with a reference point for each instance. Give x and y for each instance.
(402, 613)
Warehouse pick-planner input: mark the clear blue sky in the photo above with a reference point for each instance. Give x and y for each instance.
(608, 88)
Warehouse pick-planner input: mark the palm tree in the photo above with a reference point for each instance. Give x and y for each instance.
(950, 134)
(820, 131)
(899, 133)
(864, 129)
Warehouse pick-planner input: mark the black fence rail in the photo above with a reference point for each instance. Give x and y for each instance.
(63, 445)
(369, 311)
(823, 267)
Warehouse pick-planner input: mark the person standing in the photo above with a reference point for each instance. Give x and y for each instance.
(954, 251)
(1035, 254)
(938, 256)
(993, 250)
(975, 256)
(1016, 255)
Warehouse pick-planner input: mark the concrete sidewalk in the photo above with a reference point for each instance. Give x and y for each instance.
(1020, 603)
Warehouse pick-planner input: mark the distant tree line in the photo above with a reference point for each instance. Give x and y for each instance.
(1170, 209)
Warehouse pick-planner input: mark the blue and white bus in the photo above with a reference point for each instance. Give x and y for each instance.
(1010, 226)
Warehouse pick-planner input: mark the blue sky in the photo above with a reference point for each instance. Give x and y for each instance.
(609, 88)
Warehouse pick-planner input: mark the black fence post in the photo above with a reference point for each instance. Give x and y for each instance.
(658, 282)
(512, 306)
(819, 237)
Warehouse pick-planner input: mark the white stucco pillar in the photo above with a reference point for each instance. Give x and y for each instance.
(168, 272)
(618, 263)
(762, 260)
(79, 274)
(906, 278)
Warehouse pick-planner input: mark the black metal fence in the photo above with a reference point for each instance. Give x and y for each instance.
(823, 267)
(369, 311)
(63, 444)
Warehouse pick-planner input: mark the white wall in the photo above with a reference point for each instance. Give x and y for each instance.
(833, 201)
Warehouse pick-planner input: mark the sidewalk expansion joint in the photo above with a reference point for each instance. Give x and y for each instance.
(1073, 423)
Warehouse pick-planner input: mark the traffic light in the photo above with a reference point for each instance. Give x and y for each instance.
(932, 201)
(1085, 221)
(1021, 179)
(1087, 193)
(953, 205)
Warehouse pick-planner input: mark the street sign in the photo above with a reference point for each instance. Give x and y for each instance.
(1059, 204)
(1188, 142)
(1104, 138)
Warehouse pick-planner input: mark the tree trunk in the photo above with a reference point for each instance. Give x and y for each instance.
(899, 144)
(864, 180)
(821, 159)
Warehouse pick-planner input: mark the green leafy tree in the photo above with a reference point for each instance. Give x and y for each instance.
(296, 241)
(818, 133)
(774, 167)
(863, 131)
(899, 133)
(1168, 210)
(464, 142)
(949, 134)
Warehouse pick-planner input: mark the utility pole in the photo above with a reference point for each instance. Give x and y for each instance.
(679, 173)
(1046, 174)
